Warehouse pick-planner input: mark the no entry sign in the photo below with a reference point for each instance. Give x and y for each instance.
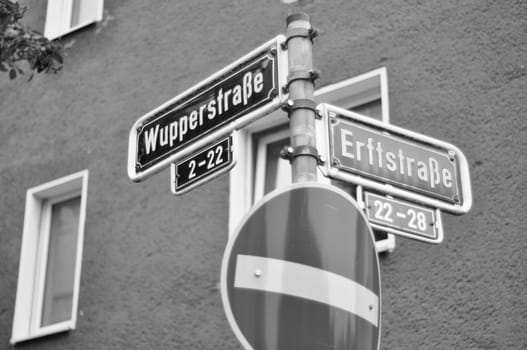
(301, 272)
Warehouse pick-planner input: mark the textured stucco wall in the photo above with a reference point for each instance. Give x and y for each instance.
(151, 262)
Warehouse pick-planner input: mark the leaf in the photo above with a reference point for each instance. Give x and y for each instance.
(58, 57)
(20, 43)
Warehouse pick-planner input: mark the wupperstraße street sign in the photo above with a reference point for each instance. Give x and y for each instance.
(245, 90)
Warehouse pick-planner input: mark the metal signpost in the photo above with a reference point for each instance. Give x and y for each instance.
(202, 166)
(302, 273)
(245, 90)
(393, 160)
(301, 106)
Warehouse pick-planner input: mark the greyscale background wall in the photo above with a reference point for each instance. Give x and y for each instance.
(151, 261)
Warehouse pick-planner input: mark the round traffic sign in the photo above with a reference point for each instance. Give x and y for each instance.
(301, 273)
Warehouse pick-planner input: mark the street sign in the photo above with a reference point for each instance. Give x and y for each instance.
(403, 218)
(302, 273)
(393, 160)
(245, 90)
(202, 166)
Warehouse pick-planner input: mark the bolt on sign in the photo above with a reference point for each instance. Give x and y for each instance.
(393, 160)
(245, 90)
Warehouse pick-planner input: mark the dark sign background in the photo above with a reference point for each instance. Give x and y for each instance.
(264, 63)
(203, 164)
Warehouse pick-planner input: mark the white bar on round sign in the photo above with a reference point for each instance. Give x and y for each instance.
(303, 281)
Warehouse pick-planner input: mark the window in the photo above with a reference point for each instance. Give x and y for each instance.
(66, 16)
(260, 169)
(50, 258)
(271, 170)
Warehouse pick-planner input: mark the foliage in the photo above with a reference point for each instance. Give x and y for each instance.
(19, 44)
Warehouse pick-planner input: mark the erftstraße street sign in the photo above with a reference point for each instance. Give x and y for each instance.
(245, 90)
(393, 160)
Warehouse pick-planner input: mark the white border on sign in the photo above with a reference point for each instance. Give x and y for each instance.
(192, 98)
(438, 224)
(204, 177)
(381, 178)
(322, 132)
(282, 62)
(228, 250)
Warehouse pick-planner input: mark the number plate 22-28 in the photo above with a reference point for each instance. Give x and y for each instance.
(403, 218)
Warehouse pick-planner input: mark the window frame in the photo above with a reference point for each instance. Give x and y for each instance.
(33, 256)
(348, 93)
(261, 155)
(58, 18)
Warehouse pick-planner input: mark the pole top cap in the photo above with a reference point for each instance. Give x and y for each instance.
(297, 16)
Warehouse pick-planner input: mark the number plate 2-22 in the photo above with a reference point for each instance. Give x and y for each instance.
(202, 166)
(403, 218)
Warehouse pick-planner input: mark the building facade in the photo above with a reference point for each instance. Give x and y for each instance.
(91, 260)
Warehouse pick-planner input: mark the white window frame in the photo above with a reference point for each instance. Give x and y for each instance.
(33, 256)
(261, 153)
(347, 94)
(58, 17)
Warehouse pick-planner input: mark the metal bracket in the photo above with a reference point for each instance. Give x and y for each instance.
(310, 33)
(290, 153)
(301, 103)
(301, 74)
